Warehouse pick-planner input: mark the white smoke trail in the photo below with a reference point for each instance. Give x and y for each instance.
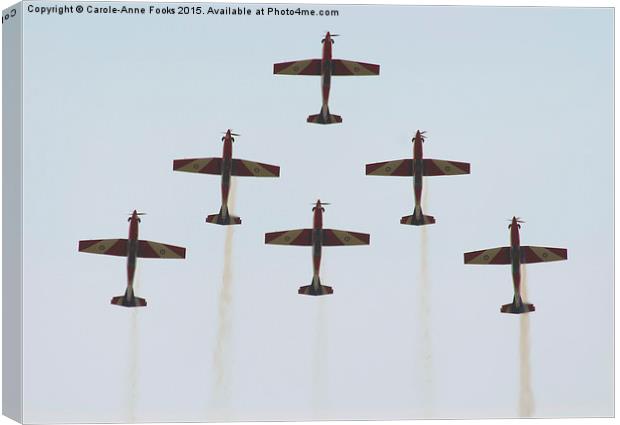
(424, 320)
(133, 366)
(319, 377)
(133, 356)
(526, 396)
(223, 351)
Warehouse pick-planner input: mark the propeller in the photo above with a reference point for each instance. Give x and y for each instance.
(137, 213)
(519, 220)
(321, 203)
(331, 36)
(422, 135)
(231, 133)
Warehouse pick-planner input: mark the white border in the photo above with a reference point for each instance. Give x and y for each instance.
(563, 3)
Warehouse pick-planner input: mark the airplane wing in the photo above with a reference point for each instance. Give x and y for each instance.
(439, 167)
(343, 67)
(302, 67)
(539, 254)
(242, 167)
(333, 237)
(116, 247)
(149, 249)
(489, 256)
(399, 167)
(299, 237)
(198, 165)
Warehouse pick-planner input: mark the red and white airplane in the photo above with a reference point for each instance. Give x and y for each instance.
(515, 255)
(317, 237)
(131, 248)
(226, 166)
(325, 67)
(417, 167)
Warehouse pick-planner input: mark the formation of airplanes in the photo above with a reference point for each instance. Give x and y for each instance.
(317, 237)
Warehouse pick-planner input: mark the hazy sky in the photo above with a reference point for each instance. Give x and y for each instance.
(523, 94)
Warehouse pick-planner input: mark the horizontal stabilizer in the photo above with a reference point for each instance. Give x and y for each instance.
(310, 290)
(124, 302)
(219, 219)
(320, 119)
(415, 221)
(512, 308)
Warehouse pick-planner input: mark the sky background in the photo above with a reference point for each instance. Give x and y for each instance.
(523, 94)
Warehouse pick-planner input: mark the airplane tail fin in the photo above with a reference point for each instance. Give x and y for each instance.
(517, 309)
(417, 218)
(324, 117)
(223, 219)
(125, 302)
(311, 289)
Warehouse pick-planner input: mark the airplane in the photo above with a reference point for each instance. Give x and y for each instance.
(326, 68)
(515, 255)
(317, 237)
(131, 248)
(417, 167)
(226, 166)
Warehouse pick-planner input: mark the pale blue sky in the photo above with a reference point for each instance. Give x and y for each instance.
(523, 94)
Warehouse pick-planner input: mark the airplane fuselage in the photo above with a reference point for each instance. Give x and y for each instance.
(418, 172)
(317, 243)
(326, 71)
(226, 172)
(515, 259)
(132, 253)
